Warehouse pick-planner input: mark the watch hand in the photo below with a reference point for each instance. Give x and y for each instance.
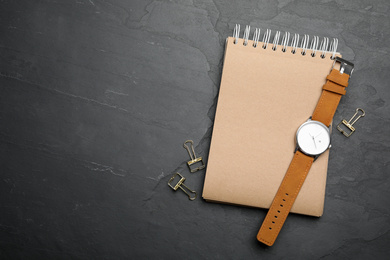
(312, 137)
(318, 135)
(315, 145)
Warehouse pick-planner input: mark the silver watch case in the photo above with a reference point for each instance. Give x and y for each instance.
(310, 121)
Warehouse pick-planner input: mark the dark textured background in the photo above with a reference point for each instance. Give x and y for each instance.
(97, 97)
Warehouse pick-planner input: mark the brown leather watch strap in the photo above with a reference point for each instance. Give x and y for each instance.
(334, 88)
(332, 91)
(285, 197)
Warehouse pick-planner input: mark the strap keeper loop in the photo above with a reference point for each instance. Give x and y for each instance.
(335, 88)
(338, 78)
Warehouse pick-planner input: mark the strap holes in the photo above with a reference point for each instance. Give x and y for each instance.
(284, 200)
(276, 216)
(273, 222)
(281, 205)
(286, 194)
(278, 211)
(270, 228)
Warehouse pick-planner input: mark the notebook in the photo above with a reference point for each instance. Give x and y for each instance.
(268, 89)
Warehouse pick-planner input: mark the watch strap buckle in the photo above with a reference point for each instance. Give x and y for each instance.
(345, 66)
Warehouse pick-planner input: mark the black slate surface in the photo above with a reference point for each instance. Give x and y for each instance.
(98, 96)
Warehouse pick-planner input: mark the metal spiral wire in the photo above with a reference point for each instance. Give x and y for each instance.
(306, 45)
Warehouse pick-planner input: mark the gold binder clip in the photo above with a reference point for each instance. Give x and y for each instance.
(348, 124)
(194, 160)
(180, 185)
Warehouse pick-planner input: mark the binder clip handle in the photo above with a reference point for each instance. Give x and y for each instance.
(192, 155)
(180, 185)
(358, 117)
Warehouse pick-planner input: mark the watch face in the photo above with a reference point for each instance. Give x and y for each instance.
(313, 137)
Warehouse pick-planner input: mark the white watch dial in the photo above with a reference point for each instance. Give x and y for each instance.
(313, 137)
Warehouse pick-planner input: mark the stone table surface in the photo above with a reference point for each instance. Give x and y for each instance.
(98, 96)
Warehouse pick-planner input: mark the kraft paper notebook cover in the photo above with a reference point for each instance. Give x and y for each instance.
(265, 95)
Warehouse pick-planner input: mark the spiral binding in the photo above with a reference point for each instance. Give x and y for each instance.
(306, 45)
(256, 37)
(266, 37)
(246, 34)
(276, 40)
(285, 39)
(314, 45)
(294, 43)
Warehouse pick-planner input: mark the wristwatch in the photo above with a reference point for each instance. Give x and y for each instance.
(313, 139)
